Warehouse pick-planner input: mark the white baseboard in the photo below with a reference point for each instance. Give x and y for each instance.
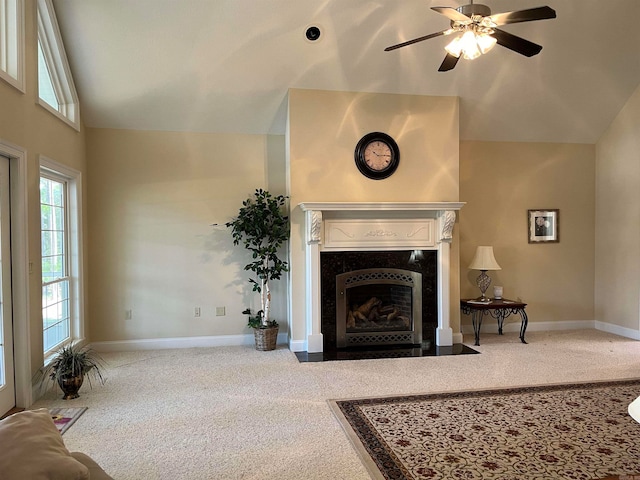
(180, 342)
(297, 345)
(489, 325)
(301, 346)
(617, 330)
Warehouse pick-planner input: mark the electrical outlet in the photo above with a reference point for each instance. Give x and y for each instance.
(196, 312)
(128, 314)
(220, 312)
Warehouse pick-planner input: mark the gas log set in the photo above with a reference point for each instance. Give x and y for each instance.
(374, 315)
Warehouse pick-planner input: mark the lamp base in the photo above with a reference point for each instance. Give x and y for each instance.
(483, 281)
(483, 299)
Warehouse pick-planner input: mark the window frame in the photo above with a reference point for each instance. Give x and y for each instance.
(59, 72)
(73, 179)
(12, 43)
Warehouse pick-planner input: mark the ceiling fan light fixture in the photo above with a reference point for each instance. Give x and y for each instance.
(454, 47)
(470, 49)
(476, 31)
(485, 42)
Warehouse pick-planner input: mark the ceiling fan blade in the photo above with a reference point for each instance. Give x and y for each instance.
(517, 44)
(451, 13)
(540, 13)
(415, 40)
(448, 63)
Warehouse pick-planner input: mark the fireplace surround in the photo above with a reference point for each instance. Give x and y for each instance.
(385, 227)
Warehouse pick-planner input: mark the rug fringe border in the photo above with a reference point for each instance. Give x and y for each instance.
(363, 455)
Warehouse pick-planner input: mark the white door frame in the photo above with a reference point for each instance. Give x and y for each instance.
(20, 271)
(7, 363)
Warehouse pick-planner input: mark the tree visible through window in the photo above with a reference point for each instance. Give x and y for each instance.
(56, 314)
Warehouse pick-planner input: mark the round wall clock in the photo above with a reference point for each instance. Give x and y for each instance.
(377, 155)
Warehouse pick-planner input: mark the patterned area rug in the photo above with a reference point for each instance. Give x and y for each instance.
(578, 431)
(65, 417)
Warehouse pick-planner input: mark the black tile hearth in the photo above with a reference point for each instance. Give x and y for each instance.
(370, 353)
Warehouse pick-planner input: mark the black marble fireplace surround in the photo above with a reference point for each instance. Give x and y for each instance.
(335, 263)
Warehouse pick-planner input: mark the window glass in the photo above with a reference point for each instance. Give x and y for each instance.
(12, 42)
(56, 314)
(56, 89)
(45, 85)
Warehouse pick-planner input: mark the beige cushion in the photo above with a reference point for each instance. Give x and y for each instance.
(32, 448)
(95, 471)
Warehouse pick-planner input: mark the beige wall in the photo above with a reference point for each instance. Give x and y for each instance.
(153, 197)
(618, 220)
(323, 130)
(500, 182)
(27, 125)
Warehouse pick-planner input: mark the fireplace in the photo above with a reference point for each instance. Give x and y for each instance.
(404, 280)
(345, 235)
(378, 306)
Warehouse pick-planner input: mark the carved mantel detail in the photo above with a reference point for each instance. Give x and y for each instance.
(314, 226)
(380, 233)
(448, 221)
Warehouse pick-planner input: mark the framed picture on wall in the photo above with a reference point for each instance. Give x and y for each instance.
(544, 226)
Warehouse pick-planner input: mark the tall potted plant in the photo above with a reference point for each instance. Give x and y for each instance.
(262, 226)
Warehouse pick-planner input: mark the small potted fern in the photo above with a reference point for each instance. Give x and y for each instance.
(262, 227)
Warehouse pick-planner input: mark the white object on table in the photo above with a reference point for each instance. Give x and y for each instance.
(634, 409)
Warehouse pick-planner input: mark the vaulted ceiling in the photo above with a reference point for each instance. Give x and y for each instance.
(226, 65)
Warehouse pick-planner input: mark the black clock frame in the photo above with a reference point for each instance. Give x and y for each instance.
(365, 169)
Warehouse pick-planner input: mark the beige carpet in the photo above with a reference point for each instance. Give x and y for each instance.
(235, 413)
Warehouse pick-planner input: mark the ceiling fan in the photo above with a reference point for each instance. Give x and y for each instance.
(479, 33)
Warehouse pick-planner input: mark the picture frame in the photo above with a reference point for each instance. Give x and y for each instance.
(544, 225)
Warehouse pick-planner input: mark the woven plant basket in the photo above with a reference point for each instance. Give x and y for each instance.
(266, 338)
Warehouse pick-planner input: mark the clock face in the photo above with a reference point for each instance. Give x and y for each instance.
(377, 155)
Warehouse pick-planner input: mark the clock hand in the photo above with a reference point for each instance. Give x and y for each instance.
(380, 155)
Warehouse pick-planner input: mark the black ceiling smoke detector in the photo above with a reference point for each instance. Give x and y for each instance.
(313, 33)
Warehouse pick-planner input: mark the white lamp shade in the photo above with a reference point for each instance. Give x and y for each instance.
(484, 260)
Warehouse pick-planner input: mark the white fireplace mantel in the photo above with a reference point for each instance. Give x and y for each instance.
(343, 226)
(381, 206)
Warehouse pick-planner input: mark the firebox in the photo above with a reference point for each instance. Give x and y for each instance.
(378, 306)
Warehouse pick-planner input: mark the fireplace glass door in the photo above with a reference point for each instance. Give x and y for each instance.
(379, 306)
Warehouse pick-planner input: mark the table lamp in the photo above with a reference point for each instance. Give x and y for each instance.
(483, 261)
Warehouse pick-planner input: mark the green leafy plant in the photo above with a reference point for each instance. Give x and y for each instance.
(71, 361)
(262, 227)
(255, 321)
